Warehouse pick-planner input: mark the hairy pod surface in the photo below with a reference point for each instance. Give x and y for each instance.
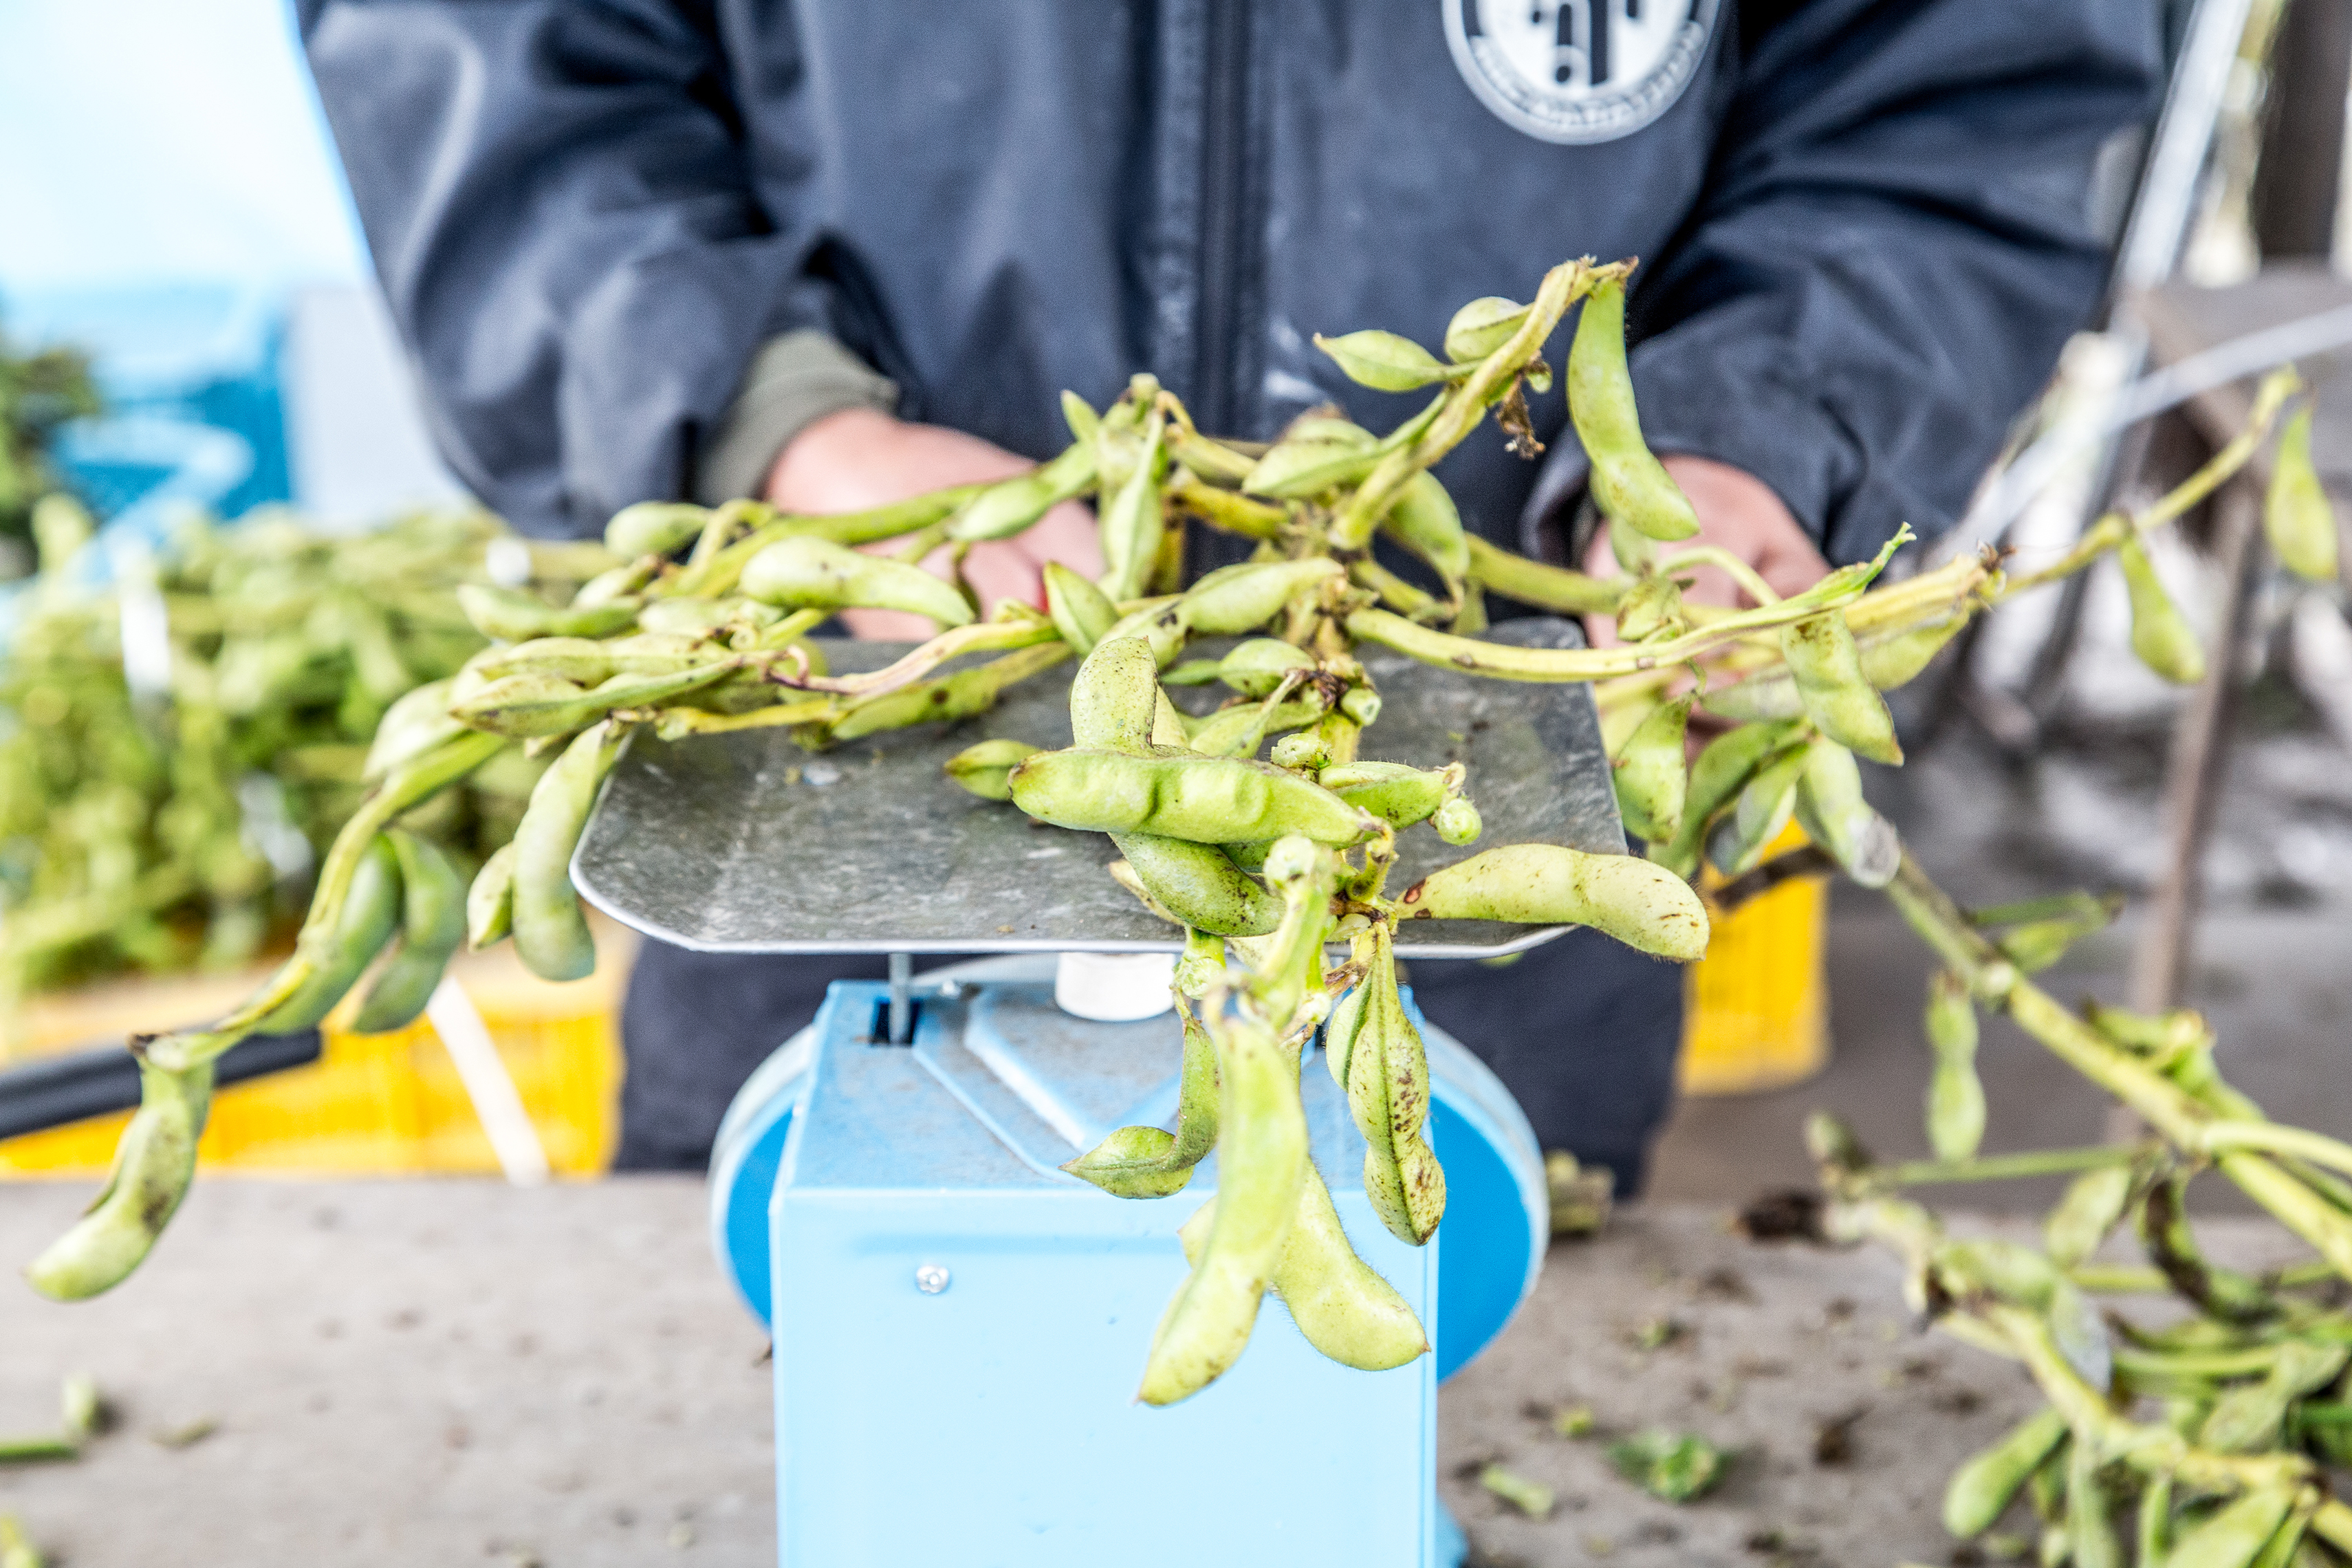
(981, 768)
(1827, 669)
(1649, 774)
(1981, 1490)
(489, 902)
(1642, 904)
(805, 572)
(1956, 1097)
(432, 929)
(1115, 697)
(1378, 1057)
(1263, 1165)
(1723, 769)
(1010, 506)
(1200, 885)
(1481, 327)
(1425, 520)
(1342, 1304)
(550, 931)
(654, 528)
(1630, 485)
(1834, 813)
(152, 1167)
(1208, 800)
(370, 914)
(1234, 600)
(509, 614)
(1081, 612)
(2160, 634)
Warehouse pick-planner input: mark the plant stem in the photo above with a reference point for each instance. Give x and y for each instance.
(1553, 588)
(2002, 1167)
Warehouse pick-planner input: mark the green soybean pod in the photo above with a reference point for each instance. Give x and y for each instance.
(1263, 1166)
(1482, 326)
(1341, 1305)
(1079, 610)
(2160, 634)
(1298, 467)
(2091, 1206)
(2236, 1536)
(1239, 731)
(1080, 416)
(654, 528)
(370, 914)
(1255, 666)
(1724, 766)
(432, 929)
(1115, 698)
(2090, 1512)
(981, 768)
(550, 932)
(1425, 520)
(805, 572)
(1762, 810)
(1827, 668)
(1956, 1101)
(582, 662)
(1649, 774)
(509, 615)
(1652, 609)
(1385, 361)
(1378, 1056)
(1834, 813)
(1149, 1161)
(519, 706)
(410, 727)
(1456, 821)
(489, 902)
(1234, 600)
(1010, 506)
(1644, 906)
(1134, 520)
(1630, 485)
(1208, 800)
(946, 697)
(1981, 1488)
(152, 1167)
(2296, 516)
(1892, 658)
(1200, 885)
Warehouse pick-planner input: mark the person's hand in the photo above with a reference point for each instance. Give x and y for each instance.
(861, 458)
(1737, 512)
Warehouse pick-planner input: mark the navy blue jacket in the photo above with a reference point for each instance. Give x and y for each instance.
(1862, 222)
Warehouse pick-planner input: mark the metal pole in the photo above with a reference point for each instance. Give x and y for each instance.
(902, 1002)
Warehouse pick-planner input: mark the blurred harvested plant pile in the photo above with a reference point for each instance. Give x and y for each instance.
(38, 391)
(174, 827)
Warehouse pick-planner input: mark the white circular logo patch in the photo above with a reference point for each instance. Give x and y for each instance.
(1578, 70)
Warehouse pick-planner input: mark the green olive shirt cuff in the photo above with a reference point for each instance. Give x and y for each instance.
(793, 381)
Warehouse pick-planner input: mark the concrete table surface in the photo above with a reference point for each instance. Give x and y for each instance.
(455, 1372)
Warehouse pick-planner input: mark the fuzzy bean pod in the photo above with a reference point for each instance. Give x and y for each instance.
(1149, 1162)
(1834, 813)
(432, 929)
(1263, 1166)
(152, 1167)
(1640, 904)
(2160, 634)
(509, 614)
(1981, 1490)
(1481, 327)
(1649, 774)
(981, 768)
(1376, 1054)
(489, 902)
(1342, 1304)
(1207, 800)
(1956, 1099)
(551, 932)
(1010, 506)
(1425, 520)
(805, 572)
(1630, 485)
(1079, 610)
(1234, 600)
(370, 914)
(654, 528)
(1828, 672)
(1133, 521)
(2296, 516)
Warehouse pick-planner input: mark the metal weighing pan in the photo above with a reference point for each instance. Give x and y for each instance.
(745, 843)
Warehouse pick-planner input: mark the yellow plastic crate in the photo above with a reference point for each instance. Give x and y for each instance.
(389, 1104)
(1756, 1009)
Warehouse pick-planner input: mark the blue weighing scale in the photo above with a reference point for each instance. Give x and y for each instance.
(959, 1325)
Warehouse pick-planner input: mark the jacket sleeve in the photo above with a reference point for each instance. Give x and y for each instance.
(559, 202)
(1893, 245)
